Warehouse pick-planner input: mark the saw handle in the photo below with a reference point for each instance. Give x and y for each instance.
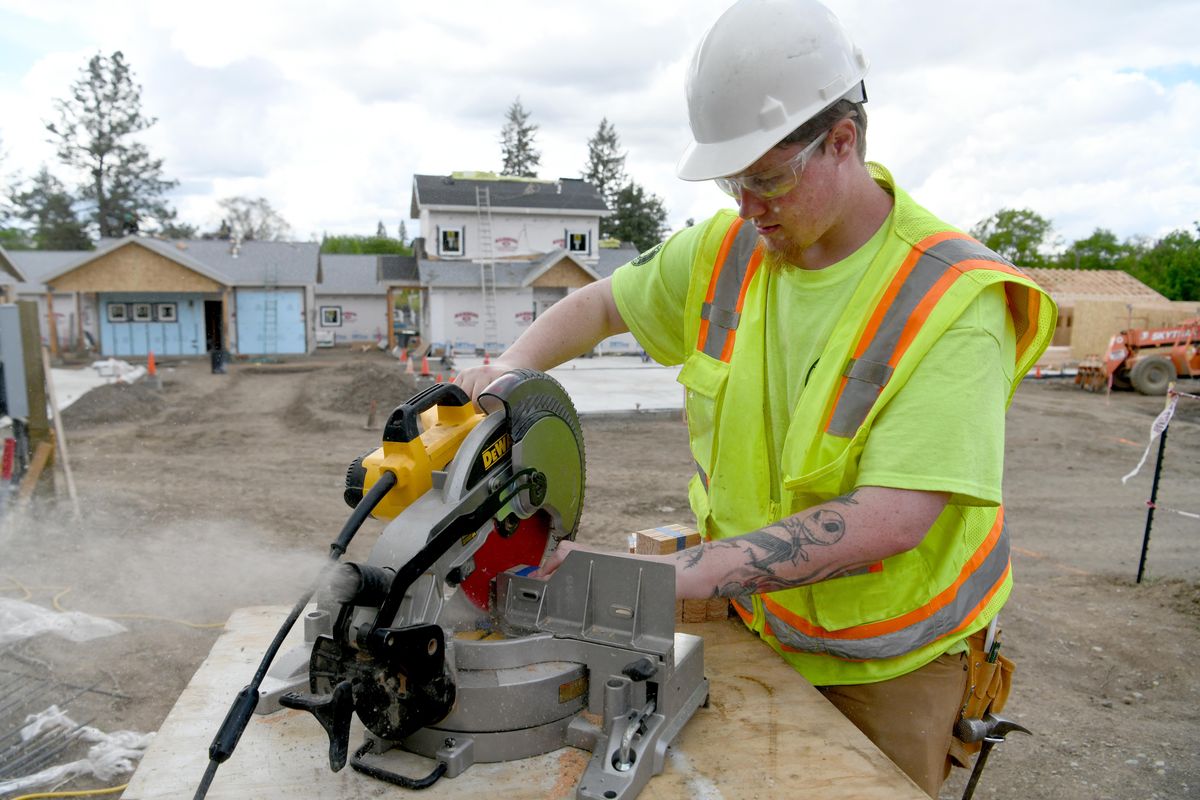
(404, 423)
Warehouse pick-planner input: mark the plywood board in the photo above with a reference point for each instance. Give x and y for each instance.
(766, 733)
(1094, 322)
(564, 274)
(133, 268)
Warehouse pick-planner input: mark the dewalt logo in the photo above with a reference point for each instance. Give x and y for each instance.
(496, 451)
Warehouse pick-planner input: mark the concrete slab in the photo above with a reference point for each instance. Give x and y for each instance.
(612, 384)
(766, 733)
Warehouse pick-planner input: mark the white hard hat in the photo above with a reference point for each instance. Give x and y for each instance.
(764, 69)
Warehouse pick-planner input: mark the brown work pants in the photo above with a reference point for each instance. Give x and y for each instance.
(910, 718)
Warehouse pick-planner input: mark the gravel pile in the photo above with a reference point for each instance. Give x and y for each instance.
(116, 402)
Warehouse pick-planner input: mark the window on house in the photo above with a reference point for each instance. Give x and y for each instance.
(142, 312)
(331, 316)
(165, 312)
(451, 241)
(118, 312)
(577, 242)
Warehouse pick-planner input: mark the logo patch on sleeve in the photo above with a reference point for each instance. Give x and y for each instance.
(646, 256)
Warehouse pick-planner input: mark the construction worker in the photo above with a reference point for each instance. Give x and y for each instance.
(848, 359)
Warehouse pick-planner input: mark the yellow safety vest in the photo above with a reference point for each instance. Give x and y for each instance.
(900, 614)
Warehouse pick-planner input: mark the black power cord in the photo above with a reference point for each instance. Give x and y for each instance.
(244, 704)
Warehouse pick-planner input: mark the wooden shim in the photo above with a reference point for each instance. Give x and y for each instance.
(41, 457)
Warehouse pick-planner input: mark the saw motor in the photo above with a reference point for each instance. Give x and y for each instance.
(446, 645)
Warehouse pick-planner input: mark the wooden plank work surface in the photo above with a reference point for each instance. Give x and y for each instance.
(766, 734)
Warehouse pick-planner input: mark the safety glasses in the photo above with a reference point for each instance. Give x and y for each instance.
(775, 181)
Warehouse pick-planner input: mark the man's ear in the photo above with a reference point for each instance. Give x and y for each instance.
(843, 139)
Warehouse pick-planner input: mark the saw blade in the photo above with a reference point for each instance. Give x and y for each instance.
(524, 546)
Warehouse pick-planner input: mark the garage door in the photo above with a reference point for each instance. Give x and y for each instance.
(270, 321)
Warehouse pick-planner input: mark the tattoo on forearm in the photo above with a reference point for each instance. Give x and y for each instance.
(846, 499)
(784, 541)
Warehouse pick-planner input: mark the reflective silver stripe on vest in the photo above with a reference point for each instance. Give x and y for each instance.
(867, 375)
(722, 313)
(970, 594)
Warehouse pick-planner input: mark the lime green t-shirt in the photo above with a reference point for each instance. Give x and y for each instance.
(944, 431)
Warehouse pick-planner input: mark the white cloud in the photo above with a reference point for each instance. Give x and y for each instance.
(1089, 114)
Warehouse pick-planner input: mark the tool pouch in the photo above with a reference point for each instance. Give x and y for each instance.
(988, 685)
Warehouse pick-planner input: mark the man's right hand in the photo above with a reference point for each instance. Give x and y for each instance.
(474, 380)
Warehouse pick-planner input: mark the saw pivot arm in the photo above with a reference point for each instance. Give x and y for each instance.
(440, 543)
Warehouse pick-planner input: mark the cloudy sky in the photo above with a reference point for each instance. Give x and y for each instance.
(1087, 113)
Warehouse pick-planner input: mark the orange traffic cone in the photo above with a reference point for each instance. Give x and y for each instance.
(439, 377)
(150, 368)
(403, 356)
(486, 359)
(425, 367)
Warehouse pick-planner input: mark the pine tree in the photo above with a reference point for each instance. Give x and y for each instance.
(380, 231)
(403, 233)
(50, 210)
(516, 143)
(639, 217)
(95, 135)
(605, 168)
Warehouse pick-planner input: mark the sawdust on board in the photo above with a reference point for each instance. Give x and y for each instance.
(571, 764)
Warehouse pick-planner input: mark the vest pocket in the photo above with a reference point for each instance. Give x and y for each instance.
(704, 378)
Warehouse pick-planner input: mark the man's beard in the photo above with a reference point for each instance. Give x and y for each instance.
(776, 261)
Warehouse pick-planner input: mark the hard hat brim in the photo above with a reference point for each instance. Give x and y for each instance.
(703, 162)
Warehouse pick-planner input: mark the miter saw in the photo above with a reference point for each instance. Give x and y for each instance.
(447, 644)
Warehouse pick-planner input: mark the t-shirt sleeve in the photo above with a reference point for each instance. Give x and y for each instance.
(944, 431)
(651, 290)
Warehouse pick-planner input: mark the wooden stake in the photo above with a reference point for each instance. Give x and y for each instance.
(38, 424)
(59, 436)
(51, 322)
(41, 457)
(391, 313)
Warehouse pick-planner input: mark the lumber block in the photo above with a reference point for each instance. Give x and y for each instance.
(666, 539)
(718, 609)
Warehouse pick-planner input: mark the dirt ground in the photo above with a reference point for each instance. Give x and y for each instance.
(222, 491)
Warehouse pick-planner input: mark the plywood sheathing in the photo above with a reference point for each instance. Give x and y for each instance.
(1083, 326)
(1096, 321)
(564, 275)
(133, 268)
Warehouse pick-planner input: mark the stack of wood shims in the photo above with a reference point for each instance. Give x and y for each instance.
(667, 539)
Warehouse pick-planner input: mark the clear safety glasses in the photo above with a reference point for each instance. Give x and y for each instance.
(774, 181)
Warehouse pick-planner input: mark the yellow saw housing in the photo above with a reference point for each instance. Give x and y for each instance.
(442, 429)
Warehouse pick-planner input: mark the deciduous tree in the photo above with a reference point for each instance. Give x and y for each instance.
(517, 152)
(253, 219)
(1018, 234)
(1172, 265)
(1101, 250)
(96, 134)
